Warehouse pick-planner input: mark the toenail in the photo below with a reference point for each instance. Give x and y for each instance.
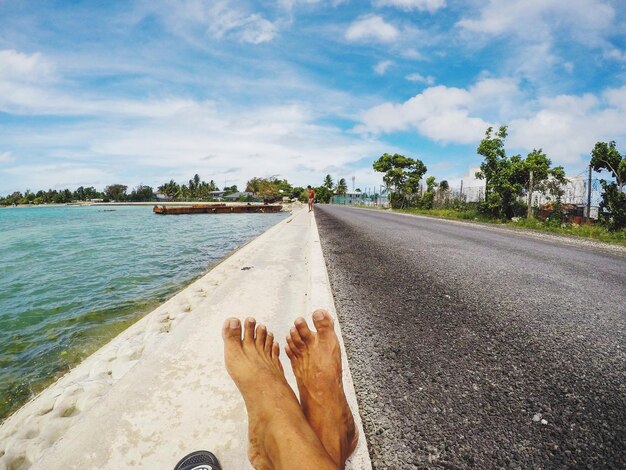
(318, 315)
(234, 324)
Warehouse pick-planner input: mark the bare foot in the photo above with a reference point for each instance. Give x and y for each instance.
(278, 433)
(316, 362)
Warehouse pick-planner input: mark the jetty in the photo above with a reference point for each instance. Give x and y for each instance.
(218, 209)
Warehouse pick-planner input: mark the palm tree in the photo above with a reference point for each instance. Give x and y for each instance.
(342, 187)
(254, 185)
(328, 182)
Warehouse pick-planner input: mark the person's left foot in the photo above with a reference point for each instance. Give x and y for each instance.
(316, 362)
(254, 366)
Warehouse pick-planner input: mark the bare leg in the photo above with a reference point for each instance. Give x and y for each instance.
(316, 362)
(279, 435)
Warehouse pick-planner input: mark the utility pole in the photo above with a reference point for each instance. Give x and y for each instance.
(530, 196)
(461, 191)
(589, 196)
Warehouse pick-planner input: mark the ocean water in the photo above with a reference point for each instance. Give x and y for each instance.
(71, 278)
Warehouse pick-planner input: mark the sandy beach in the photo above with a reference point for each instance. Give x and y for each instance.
(160, 390)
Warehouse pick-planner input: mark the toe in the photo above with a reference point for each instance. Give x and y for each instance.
(248, 335)
(303, 330)
(269, 341)
(289, 352)
(275, 349)
(261, 335)
(323, 321)
(231, 331)
(296, 338)
(293, 349)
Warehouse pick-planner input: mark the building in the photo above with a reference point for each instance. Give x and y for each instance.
(350, 198)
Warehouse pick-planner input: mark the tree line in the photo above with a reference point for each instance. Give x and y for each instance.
(268, 189)
(508, 180)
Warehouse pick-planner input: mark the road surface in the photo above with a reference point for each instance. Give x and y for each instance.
(473, 346)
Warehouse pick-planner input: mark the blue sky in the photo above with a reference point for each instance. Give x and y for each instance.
(95, 93)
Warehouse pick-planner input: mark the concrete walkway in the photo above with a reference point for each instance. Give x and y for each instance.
(160, 389)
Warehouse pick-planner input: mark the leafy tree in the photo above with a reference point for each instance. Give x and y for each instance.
(269, 189)
(323, 194)
(230, 189)
(170, 189)
(328, 182)
(342, 187)
(606, 157)
(508, 179)
(115, 192)
(253, 185)
(142, 193)
(402, 177)
(427, 199)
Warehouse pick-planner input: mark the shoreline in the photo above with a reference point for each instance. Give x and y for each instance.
(129, 402)
(287, 206)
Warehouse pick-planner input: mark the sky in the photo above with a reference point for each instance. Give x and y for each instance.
(143, 91)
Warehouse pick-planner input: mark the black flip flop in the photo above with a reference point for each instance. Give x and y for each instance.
(199, 460)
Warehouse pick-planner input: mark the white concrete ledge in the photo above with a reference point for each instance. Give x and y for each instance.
(160, 390)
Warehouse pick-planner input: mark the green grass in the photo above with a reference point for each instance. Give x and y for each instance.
(595, 232)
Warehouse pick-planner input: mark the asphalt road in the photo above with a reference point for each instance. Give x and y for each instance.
(473, 347)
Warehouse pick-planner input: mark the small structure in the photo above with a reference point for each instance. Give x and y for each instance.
(238, 195)
(163, 197)
(350, 198)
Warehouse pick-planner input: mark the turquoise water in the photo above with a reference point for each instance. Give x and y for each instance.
(71, 278)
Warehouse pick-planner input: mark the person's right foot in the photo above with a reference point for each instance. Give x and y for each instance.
(316, 362)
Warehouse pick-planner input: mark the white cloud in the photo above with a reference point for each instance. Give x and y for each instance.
(372, 28)
(439, 113)
(412, 54)
(240, 143)
(407, 5)
(615, 54)
(16, 66)
(540, 31)
(257, 30)
(381, 67)
(616, 97)
(537, 20)
(65, 175)
(220, 18)
(565, 126)
(419, 78)
(6, 157)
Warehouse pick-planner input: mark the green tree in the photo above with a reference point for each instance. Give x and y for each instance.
(269, 189)
(230, 189)
(323, 194)
(328, 182)
(508, 179)
(115, 192)
(342, 187)
(606, 157)
(142, 193)
(253, 185)
(402, 177)
(170, 189)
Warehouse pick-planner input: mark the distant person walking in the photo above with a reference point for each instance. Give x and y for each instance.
(311, 194)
